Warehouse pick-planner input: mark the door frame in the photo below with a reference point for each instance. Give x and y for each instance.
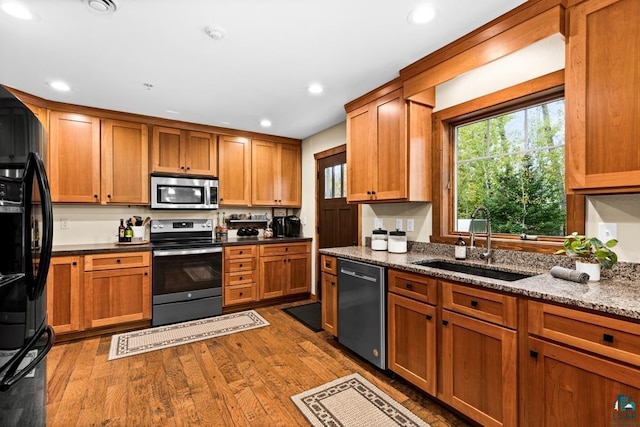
(318, 156)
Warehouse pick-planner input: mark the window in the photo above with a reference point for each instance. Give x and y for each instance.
(513, 163)
(335, 181)
(487, 149)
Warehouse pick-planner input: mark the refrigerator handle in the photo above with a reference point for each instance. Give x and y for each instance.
(11, 377)
(35, 166)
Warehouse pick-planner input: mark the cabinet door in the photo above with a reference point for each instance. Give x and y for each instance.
(330, 303)
(274, 276)
(125, 162)
(299, 267)
(64, 308)
(117, 296)
(570, 388)
(479, 376)
(235, 171)
(290, 177)
(74, 147)
(168, 150)
(390, 151)
(412, 341)
(265, 167)
(360, 135)
(201, 153)
(602, 108)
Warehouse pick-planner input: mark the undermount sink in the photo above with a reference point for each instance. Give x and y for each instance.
(474, 270)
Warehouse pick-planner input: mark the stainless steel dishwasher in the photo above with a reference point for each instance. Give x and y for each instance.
(362, 314)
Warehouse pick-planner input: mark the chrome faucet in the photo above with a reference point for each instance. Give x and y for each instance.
(487, 256)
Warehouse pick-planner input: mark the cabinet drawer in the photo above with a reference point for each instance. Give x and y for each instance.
(110, 261)
(240, 277)
(329, 264)
(248, 251)
(485, 305)
(414, 286)
(238, 294)
(241, 264)
(609, 337)
(284, 249)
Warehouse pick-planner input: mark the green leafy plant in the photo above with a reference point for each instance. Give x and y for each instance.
(590, 249)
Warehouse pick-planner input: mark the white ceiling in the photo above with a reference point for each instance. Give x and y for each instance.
(271, 52)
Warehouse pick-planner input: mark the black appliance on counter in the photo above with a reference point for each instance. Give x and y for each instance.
(187, 271)
(279, 226)
(292, 226)
(26, 233)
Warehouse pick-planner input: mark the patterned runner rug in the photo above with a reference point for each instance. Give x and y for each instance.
(136, 342)
(352, 401)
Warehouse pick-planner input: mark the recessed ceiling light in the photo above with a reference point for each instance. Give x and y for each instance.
(422, 14)
(60, 85)
(315, 89)
(103, 7)
(265, 123)
(18, 10)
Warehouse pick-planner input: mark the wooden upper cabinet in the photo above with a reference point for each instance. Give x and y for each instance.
(180, 151)
(74, 151)
(602, 107)
(275, 174)
(388, 150)
(235, 171)
(125, 162)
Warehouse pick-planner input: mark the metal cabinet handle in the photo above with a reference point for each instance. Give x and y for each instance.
(474, 304)
(533, 354)
(118, 261)
(409, 286)
(445, 322)
(74, 263)
(429, 317)
(607, 338)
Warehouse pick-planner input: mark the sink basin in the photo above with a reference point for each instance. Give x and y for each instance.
(474, 270)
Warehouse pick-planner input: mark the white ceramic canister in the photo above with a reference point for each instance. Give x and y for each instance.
(379, 240)
(397, 242)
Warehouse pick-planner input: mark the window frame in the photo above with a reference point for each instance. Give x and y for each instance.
(541, 89)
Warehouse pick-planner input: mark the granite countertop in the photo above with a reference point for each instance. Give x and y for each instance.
(94, 248)
(618, 295)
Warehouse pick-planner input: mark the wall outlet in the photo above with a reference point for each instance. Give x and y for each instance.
(607, 231)
(398, 223)
(64, 224)
(377, 223)
(410, 224)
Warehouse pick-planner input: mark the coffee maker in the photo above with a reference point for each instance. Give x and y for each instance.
(292, 226)
(278, 226)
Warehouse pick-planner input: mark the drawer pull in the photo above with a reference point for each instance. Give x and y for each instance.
(241, 277)
(118, 261)
(533, 354)
(474, 303)
(333, 283)
(445, 322)
(240, 293)
(74, 263)
(241, 252)
(409, 286)
(607, 338)
(240, 265)
(429, 317)
(327, 264)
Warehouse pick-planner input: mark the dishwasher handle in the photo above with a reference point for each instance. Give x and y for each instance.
(358, 275)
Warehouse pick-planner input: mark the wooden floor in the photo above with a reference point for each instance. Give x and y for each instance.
(244, 379)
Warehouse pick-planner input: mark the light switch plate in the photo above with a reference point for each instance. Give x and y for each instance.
(377, 223)
(64, 224)
(410, 224)
(398, 223)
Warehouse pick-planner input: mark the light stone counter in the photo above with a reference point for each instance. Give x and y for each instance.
(617, 293)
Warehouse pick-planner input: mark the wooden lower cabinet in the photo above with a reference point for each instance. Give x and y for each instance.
(64, 294)
(285, 269)
(240, 274)
(330, 303)
(412, 341)
(117, 296)
(567, 387)
(479, 375)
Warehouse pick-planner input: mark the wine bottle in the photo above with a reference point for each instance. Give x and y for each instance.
(121, 230)
(128, 232)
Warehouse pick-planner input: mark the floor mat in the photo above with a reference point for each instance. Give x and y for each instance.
(309, 315)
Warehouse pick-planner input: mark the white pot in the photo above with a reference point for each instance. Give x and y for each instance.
(593, 270)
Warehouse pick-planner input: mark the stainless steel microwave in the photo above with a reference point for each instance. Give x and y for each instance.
(184, 192)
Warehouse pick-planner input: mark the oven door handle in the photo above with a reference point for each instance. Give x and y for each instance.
(198, 251)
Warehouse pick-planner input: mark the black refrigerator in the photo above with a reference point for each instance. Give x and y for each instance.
(26, 232)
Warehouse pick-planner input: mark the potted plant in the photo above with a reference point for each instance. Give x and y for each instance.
(590, 254)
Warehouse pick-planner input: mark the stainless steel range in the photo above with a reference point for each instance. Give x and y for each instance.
(187, 271)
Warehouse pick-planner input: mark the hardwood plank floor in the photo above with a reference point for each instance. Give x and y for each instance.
(243, 379)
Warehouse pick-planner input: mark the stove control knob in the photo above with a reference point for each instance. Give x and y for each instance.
(154, 226)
